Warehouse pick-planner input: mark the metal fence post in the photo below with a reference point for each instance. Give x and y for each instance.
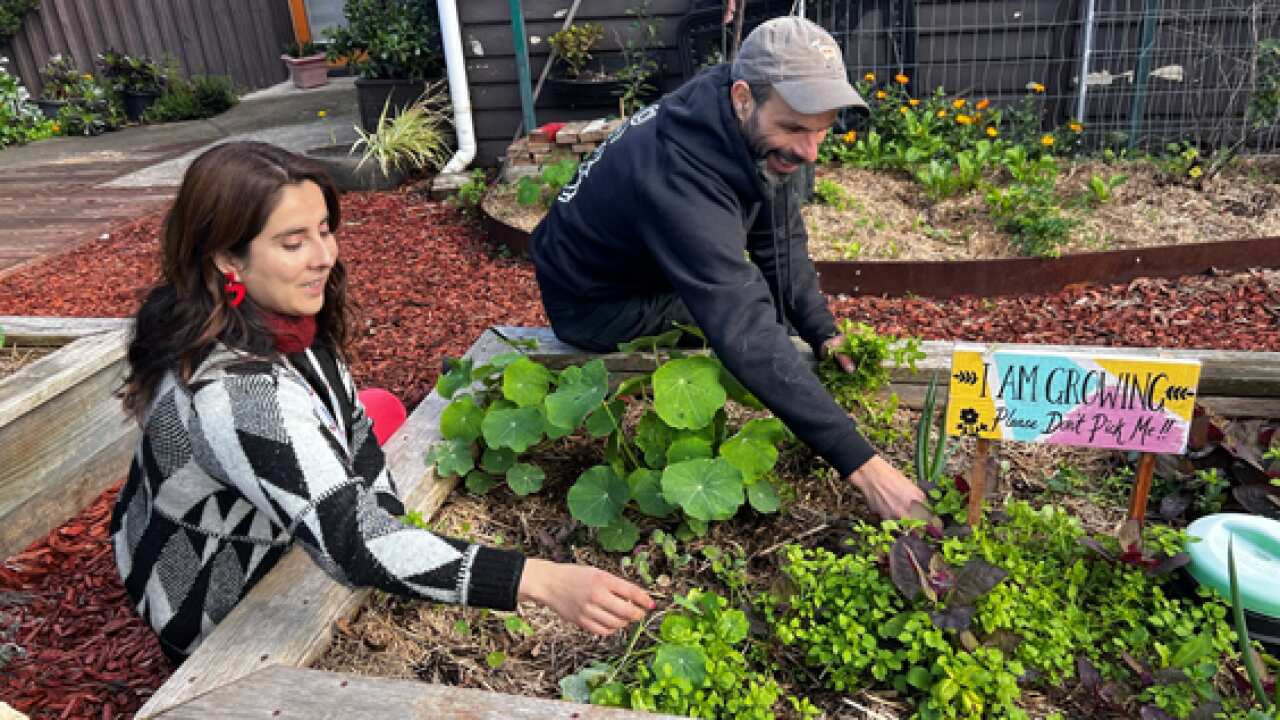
(1150, 18)
(1085, 53)
(525, 77)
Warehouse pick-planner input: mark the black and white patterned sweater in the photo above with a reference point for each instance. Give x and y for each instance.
(252, 455)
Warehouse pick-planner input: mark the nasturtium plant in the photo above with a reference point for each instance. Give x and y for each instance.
(679, 458)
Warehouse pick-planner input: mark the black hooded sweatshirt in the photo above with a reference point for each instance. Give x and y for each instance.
(672, 201)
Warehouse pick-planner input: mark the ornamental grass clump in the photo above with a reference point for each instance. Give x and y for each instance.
(415, 139)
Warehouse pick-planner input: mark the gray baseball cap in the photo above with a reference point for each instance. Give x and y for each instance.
(801, 61)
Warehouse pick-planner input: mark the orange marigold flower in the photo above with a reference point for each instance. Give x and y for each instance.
(57, 128)
(869, 77)
(913, 102)
(1047, 141)
(992, 132)
(881, 95)
(1037, 88)
(901, 79)
(983, 104)
(1075, 126)
(964, 120)
(850, 137)
(957, 103)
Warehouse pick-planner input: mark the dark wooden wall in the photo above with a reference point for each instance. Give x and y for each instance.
(240, 38)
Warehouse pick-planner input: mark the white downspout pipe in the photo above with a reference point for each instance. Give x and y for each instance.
(459, 95)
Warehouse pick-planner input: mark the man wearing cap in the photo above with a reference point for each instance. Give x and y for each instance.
(690, 212)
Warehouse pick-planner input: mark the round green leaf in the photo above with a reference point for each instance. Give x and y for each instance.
(619, 536)
(479, 483)
(517, 429)
(604, 419)
(525, 382)
(451, 457)
(525, 479)
(680, 661)
(751, 456)
(763, 496)
(770, 430)
(688, 447)
(678, 629)
(732, 626)
(497, 461)
(646, 490)
(456, 376)
(461, 420)
(654, 436)
(705, 489)
(578, 391)
(687, 392)
(598, 496)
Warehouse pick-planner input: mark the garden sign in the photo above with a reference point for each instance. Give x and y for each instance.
(1103, 401)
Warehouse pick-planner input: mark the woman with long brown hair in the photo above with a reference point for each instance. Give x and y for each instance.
(253, 434)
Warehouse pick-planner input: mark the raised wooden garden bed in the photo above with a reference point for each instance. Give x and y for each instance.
(63, 435)
(253, 663)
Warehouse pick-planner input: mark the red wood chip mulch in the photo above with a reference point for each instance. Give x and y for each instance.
(427, 285)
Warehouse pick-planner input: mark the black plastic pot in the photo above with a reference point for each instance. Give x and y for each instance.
(372, 95)
(136, 104)
(349, 174)
(50, 108)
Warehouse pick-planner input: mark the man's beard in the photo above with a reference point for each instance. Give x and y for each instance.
(760, 150)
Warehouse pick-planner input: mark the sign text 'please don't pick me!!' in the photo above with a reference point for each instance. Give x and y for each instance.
(1072, 398)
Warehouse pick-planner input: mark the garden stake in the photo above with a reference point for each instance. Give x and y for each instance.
(1138, 500)
(978, 480)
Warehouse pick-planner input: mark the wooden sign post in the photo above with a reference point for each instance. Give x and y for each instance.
(1119, 402)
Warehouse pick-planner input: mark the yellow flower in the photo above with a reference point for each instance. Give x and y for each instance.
(992, 132)
(322, 113)
(904, 109)
(901, 79)
(880, 94)
(1195, 172)
(942, 113)
(87, 76)
(57, 128)
(983, 104)
(958, 103)
(1047, 140)
(964, 120)
(869, 77)
(913, 102)
(1075, 126)
(850, 137)
(1037, 88)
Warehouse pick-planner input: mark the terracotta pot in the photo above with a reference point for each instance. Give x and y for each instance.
(307, 72)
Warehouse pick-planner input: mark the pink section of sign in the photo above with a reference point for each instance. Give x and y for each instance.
(1138, 429)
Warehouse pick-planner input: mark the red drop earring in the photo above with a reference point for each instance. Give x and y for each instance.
(234, 289)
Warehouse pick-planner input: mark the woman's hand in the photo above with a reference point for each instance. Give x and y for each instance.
(589, 597)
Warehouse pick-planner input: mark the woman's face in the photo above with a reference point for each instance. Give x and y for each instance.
(288, 263)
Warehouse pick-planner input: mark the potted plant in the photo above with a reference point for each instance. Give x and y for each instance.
(60, 78)
(138, 80)
(415, 140)
(307, 64)
(622, 80)
(394, 45)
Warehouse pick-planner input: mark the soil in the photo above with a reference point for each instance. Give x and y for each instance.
(427, 284)
(15, 357)
(887, 217)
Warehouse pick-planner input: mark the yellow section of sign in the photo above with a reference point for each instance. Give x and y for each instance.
(1171, 382)
(970, 410)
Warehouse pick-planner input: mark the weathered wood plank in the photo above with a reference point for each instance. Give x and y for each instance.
(63, 436)
(30, 330)
(285, 693)
(287, 618)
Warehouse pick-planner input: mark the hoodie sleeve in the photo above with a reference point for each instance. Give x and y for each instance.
(697, 236)
(263, 438)
(779, 245)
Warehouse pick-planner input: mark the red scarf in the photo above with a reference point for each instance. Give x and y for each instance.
(291, 333)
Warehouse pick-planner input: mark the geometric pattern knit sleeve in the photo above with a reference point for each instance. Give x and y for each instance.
(269, 444)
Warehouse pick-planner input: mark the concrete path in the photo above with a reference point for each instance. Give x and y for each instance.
(58, 193)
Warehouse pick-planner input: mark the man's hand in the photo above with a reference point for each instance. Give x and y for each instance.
(889, 493)
(830, 347)
(588, 597)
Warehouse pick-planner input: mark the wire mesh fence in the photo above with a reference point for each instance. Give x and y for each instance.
(1205, 72)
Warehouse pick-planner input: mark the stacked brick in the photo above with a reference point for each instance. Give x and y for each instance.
(555, 140)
